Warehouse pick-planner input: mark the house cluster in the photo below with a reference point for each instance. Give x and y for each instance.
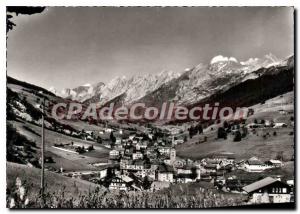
(139, 159)
(148, 162)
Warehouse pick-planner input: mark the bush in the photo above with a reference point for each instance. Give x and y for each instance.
(91, 148)
(80, 150)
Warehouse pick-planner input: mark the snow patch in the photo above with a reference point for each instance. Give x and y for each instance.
(221, 58)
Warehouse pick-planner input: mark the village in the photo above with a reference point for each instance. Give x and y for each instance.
(147, 161)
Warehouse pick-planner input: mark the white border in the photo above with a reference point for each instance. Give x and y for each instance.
(4, 3)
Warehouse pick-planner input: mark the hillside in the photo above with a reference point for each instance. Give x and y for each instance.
(59, 184)
(253, 144)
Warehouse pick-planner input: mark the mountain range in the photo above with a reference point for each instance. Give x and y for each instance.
(187, 87)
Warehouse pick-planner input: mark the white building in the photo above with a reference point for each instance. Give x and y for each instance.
(137, 155)
(255, 165)
(165, 173)
(114, 154)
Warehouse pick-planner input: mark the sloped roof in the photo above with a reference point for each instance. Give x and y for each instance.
(259, 184)
(165, 168)
(213, 161)
(125, 178)
(254, 161)
(211, 166)
(275, 161)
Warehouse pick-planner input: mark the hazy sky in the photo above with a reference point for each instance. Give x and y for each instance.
(69, 46)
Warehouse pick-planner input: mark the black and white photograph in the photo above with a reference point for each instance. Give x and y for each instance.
(150, 107)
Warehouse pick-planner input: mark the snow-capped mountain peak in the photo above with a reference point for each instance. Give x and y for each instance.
(190, 85)
(87, 85)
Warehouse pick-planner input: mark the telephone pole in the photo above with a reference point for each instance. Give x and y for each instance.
(43, 150)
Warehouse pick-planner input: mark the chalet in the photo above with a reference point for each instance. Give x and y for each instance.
(192, 170)
(151, 153)
(254, 165)
(138, 165)
(268, 190)
(165, 173)
(114, 154)
(179, 163)
(149, 170)
(124, 162)
(290, 182)
(128, 151)
(121, 183)
(184, 170)
(269, 123)
(137, 155)
(210, 165)
(210, 168)
(118, 140)
(178, 141)
(133, 165)
(169, 153)
(184, 178)
(279, 125)
(118, 146)
(220, 179)
(121, 150)
(275, 163)
(99, 174)
(108, 130)
(228, 167)
(142, 145)
(214, 161)
(206, 177)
